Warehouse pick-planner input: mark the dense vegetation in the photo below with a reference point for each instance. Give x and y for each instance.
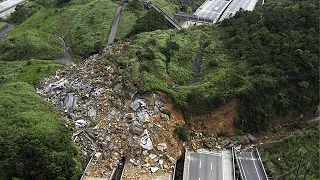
(269, 63)
(83, 24)
(173, 6)
(283, 156)
(34, 143)
(151, 21)
(3, 25)
(283, 57)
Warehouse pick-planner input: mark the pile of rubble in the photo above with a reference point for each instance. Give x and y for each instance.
(199, 140)
(111, 122)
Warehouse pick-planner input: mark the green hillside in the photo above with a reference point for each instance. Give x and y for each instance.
(34, 143)
(83, 24)
(269, 63)
(283, 156)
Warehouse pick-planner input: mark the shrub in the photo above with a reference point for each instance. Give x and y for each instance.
(181, 132)
(167, 112)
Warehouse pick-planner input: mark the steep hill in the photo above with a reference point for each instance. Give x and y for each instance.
(269, 63)
(83, 24)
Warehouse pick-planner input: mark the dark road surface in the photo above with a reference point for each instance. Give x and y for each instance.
(115, 24)
(214, 165)
(250, 166)
(67, 58)
(5, 31)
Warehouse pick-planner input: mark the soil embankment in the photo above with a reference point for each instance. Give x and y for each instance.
(217, 121)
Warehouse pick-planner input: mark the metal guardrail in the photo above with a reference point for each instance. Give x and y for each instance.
(85, 170)
(166, 15)
(113, 171)
(122, 171)
(239, 166)
(261, 164)
(174, 170)
(190, 17)
(233, 167)
(184, 165)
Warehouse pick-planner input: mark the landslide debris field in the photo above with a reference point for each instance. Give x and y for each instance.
(111, 121)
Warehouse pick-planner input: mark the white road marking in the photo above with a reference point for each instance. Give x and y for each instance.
(188, 165)
(241, 167)
(200, 165)
(211, 166)
(255, 166)
(222, 164)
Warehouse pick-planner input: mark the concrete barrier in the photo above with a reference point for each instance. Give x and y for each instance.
(85, 170)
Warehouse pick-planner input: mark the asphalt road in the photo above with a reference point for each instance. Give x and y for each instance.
(9, 4)
(67, 58)
(215, 165)
(211, 9)
(114, 27)
(250, 166)
(5, 31)
(236, 5)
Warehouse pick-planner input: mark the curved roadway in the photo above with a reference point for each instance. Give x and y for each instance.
(5, 5)
(5, 31)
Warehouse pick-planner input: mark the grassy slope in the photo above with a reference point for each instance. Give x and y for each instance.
(216, 77)
(167, 6)
(240, 66)
(127, 21)
(26, 71)
(25, 117)
(84, 24)
(283, 156)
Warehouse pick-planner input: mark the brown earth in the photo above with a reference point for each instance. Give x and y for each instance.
(217, 121)
(283, 119)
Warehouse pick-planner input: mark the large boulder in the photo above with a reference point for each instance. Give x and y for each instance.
(136, 128)
(70, 101)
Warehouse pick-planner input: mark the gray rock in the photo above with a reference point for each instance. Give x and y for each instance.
(97, 155)
(225, 142)
(108, 138)
(145, 141)
(70, 101)
(136, 128)
(154, 169)
(112, 113)
(251, 138)
(92, 112)
(164, 146)
(129, 117)
(156, 109)
(135, 105)
(143, 116)
(104, 145)
(152, 156)
(145, 152)
(80, 123)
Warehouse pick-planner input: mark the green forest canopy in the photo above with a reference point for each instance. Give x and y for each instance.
(267, 58)
(34, 144)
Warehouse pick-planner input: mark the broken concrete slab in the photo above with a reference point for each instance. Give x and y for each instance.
(70, 101)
